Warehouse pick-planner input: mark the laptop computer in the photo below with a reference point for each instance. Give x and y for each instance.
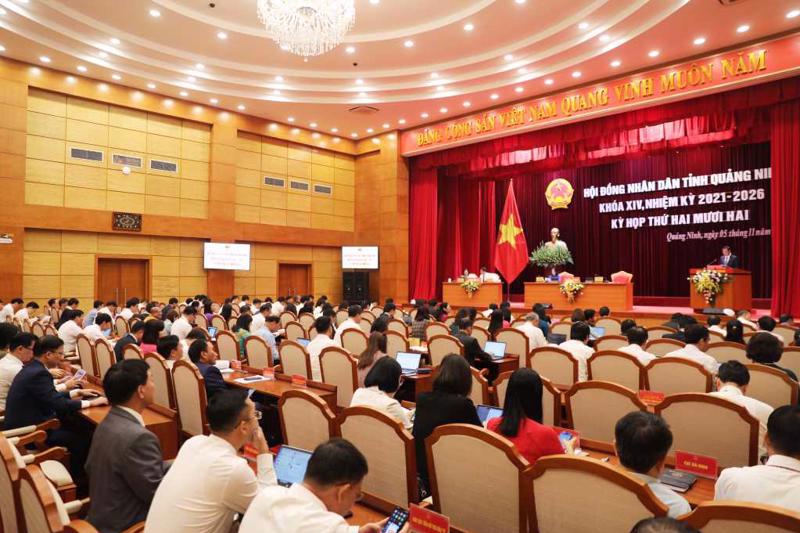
(596, 332)
(409, 362)
(303, 342)
(290, 465)
(496, 349)
(488, 412)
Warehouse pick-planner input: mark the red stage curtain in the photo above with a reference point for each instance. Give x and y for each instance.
(423, 212)
(785, 213)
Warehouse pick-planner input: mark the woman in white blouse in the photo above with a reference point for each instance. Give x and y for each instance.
(380, 385)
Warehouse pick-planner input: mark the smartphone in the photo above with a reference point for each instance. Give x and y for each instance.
(79, 374)
(253, 378)
(396, 521)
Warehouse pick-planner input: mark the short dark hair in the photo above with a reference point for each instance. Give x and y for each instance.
(32, 305)
(605, 311)
(45, 344)
(272, 319)
(224, 411)
(464, 324)
(695, 333)
(354, 310)
(71, 301)
(384, 374)
(766, 323)
(196, 333)
(166, 344)
(196, 349)
(764, 348)
(588, 314)
(102, 318)
(97, 303)
(17, 301)
(627, 324)
(662, 524)
(322, 324)
(714, 320)
(783, 430)
(734, 372)
(137, 326)
(785, 318)
(21, 339)
(579, 331)
(636, 335)
(454, 376)
(380, 325)
(726, 247)
(7, 332)
(131, 302)
(122, 380)
(336, 462)
(189, 310)
(643, 439)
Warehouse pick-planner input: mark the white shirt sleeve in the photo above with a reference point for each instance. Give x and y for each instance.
(243, 485)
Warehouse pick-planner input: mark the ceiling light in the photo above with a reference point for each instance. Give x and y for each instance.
(336, 139)
(313, 124)
(616, 63)
(102, 55)
(295, 131)
(222, 35)
(370, 130)
(401, 121)
(70, 79)
(653, 53)
(469, 26)
(276, 92)
(494, 96)
(743, 28)
(184, 94)
(3, 11)
(605, 38)
(424, 115)
(81, 68)
(374, 2)
(199, 66)
(114, 41)
(362, 94)
(518, 89)
(334, 130)
(151, 85)
(155, 13)
(359, 82)
(466, 103)
(44, 59)
(36, 71)
(699, 41)
(440, 87)
(408, 43)
(290, 119)
(103, 87)
(116, 77)
(508, 57)
(279, 79)
(434, 75)
(793, 13)
(241, 107)
(285, 47)
(520, 1)
(522, 70)
(376, 140)
(354, 134)
(548, 81)
(273, 126)
(191, 79)
(576, 74)
(350, 49)
(583, 25)
(386, 125)
(315, 135)
(443, 110)
(213, 101)
(309, 28)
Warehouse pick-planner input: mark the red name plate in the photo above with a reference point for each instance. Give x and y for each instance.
(699, 465)
(268, 372)
(421, 520)
(249, 451)
(650, 397)
(300, 381)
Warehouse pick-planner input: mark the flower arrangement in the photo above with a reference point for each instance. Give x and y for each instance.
(471, 286)
(571, 288)
(709, 283)
(550, 256)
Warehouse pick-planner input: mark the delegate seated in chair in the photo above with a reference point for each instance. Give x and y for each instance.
(202, 354)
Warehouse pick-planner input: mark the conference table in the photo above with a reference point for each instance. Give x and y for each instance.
(615, 296)
(488, 293)
(279, 385)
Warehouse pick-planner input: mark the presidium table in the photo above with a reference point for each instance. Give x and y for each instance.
(488, 293)
(615, 296)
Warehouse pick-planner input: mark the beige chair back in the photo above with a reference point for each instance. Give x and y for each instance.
(728, 351)
(579, 495)
(218, 322)
(86, 354)
(748, 327)
(449, 321)
(339, 368)
(341, 316)
(481, 322)
(593, 408)
(772, 386)
(617, 367)
(657, 332)
(294, 359)
(460, 494)
(481, 335)
(162, 379)
(673, 375)
(37, 329)
(707, 425)
(661, 347)
(395, 342)
(436, 328)
(500, 386)
(200, 321)
(786, 333)
(610, 342)
(286, 317)
(441, 346)
(480, 393)
(354, 340)
(389, 449)
(715, 336)
(612, 326)
(555, 364)
(516, 343)
(231, 323)
(306, 320)
(132, 351)
(561, 328)
(227, 346)
(105, 357)
(367, 316)
(376, 311)
(295, 330)
(121, 326)
(190, 398)
(258, 352)
(791, 359)
(365, 325)
(742, 517)
(41, 508)
(306, 420)
(398, 314)
(398, 326)
(9, 487)
(50, 330)
(551, 398)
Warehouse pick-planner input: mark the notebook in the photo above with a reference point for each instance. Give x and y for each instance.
(409, 362)
(303, 342)
(488, 412)
(496, 349)
(290, 465)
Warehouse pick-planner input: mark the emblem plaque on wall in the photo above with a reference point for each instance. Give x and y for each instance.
(126, 221)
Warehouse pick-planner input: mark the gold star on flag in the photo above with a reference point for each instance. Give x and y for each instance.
(509, 232)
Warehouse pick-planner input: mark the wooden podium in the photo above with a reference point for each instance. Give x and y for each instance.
(489, 293)
(736, 294)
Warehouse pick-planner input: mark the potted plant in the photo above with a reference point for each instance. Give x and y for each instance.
(550, 257)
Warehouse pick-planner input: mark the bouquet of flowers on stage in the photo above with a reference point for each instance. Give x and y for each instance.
(571, 288)
(471, 286)
(709, 283)
(550, 257)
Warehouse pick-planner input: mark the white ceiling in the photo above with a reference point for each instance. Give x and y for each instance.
(448, 71)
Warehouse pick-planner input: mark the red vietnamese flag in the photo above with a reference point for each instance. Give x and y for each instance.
(511, 250)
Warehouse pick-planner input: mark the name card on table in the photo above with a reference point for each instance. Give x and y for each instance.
(300, 381)
(699, 465)
(650, 397)
(422, 520)
(268, 373)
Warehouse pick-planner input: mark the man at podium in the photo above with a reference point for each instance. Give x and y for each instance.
(727, 258)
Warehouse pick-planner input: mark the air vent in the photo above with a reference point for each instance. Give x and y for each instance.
(298, 185)
(274, 182)
(126, 160)
(86, 155)
(327, 190)
(364, 110)
(164, 166)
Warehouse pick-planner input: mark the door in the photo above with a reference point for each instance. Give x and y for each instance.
(121, 279)
(294, 279)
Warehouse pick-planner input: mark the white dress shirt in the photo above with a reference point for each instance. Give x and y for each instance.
(277, 309)
(677, 504)
(717, 329)
(126, 313)
(535, 336)
(9, 368)
(347, 324)
(93, 332)
(775, 483)
(757, 408)
(6, 313)
(181, 328)
(292, 510)
(693, 353)
(487, 312)
(374, 397)
(68, 332)
(638, 352)
(22, 314)
(258, 322)
(205, 487)
(748, 322)
(582, 353)
(490, 277)
(314, 348)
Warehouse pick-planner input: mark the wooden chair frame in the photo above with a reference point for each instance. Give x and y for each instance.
(664, 330)
(678, 361)
(97, 352)
(201, 391)
(395, 335)
(92, 369)
(515, 332)
(333, 429)
(354, 362)
(33, 475)
(232, 338)
(620, 355)
(486, 390)
(288, 343)
(609, 338)
(294, 325)
(554, 349)
(724, 344)
(132, 348)
(794, 388)
(448, 337)
(255, 339)
(397, 323)
(352, 331)
(774, 516)
(436, 326)
(671, 342)
(159, 360)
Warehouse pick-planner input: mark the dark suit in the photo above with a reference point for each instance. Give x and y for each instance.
(476, 356)
(677, 336)
(733, 261)
(122, 343)
(125, 466)
(213, 379)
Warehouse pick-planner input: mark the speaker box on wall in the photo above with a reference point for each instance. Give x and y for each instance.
(355, 287)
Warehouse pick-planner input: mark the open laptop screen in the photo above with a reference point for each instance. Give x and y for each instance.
(597, 332)
(488, 412)
(303, 342)
(409, 361)
(496, 349)
(290, 465)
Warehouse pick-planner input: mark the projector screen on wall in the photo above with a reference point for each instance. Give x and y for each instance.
(226, 256)
(360, 257)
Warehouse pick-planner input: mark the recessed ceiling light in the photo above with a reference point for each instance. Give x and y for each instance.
(290, 119)
(434, 75)
(103, 87)
(424, 115)
(605, 38)
(350, 49)
(313, 124)
(44, 59)
(359, 82)
(155, 13)
(374, 2)
(284, 47)
(116, 77)
(354, 134)
(362, 94)
(518, 89)
(70, 79)
(700, 40)
(549, 81)
(583, 25)
(522, 70)
(443, 110)
(81, 68)
(114, 41)
(408, 43)
(151, 85)
(36, 71)
(466, 103)
(334, 130)
(386, 125)
(336, 139)
(440, 87)
(222, 35)
(276, 92)
(191, 79)
(279, 79)
(241, 107)
(315, 135)
(653, 53)
(616, 63)
(743, 28)
(576, 74)
(508, 57)
(184, 94)
(213, 101)
(3, 11)
(168, 102)
(375, 140)
(370, 130)
(793, 13)
(199, 66)
(102, 54)
(401, 121)
(520, 1)
(295, 131)
(494, 96)
(469, 26)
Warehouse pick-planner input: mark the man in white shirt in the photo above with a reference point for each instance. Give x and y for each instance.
(531, 330)
(489, 277)
(277, 307)
(714, 325)
(259, 318)
(578, 347)
(131, 308)
(743, 316)
(271, 326)
(20, 351)
(637, 337)
(110, 309)
(101, 329)
(732, 381)
(27, 312)
(778, 481)
(255, 306)
(208, 483)
(70, 329)
(323, 339)
(182, 326)
(330, 488)
(767, 324)
(353, 322)
(696, 345)
(9, 310)
(642, 441)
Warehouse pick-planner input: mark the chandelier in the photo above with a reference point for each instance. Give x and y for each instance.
(307, 27)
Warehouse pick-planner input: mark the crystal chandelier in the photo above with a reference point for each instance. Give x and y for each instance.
(307, 27)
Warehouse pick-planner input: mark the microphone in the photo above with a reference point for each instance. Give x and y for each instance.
(714, 261)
